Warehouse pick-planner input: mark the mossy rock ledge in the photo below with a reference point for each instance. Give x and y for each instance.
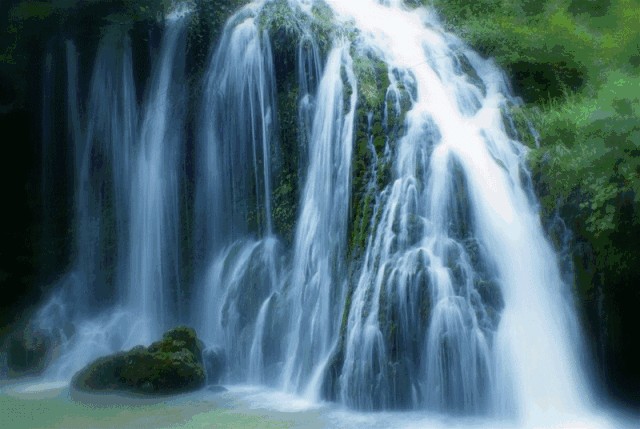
(169, 366)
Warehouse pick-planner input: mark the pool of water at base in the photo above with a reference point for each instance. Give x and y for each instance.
(36, 404)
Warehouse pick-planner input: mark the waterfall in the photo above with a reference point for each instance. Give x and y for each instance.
(154, 219)
(103, 141)
(309, 73)
(318, 271)
(125, 236)
(236, 137)
(109, 136)
(457, 228)
(237, 148)
(451, 300)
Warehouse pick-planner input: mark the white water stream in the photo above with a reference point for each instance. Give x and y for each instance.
(529, 365)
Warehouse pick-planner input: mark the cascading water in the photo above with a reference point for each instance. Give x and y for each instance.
(237, 137)
(455, 216)
(105, 158)
(318, 274)
(154, 222)
(125, 235)
(309, 72)
(454, 303)
(237, 146)
(103, 146)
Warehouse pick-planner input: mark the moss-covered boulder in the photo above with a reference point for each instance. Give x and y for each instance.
(171, 365)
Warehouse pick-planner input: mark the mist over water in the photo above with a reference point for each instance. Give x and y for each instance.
(456, 305)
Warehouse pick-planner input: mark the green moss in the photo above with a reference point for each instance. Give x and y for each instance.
(169, 366)
(279, 16)
(287, 181)
(323, 26)
(285, 206)
(378, 127)
(285, 23)
(373, 81)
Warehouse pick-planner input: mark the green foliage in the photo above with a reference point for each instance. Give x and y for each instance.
(323, 25)
(279, 16)
(549, 47)
(590, 151)
(20, 22)
(207, 23)
(286, 24)
(210, 17)
(573, 63)
(576, 64)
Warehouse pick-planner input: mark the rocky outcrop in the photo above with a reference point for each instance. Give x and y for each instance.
(171, 365)
(27, 352)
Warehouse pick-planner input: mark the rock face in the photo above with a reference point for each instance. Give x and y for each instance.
(171, 365)
(27, 352)
(214, 364)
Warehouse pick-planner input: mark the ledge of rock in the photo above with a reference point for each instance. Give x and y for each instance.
(171, 365)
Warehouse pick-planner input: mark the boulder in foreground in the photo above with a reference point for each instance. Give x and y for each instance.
(171, 365)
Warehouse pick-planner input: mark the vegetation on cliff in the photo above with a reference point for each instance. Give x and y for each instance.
(576, 65)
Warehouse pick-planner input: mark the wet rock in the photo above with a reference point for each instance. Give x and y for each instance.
(171, 365)
(214, 364)
(27, 352)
